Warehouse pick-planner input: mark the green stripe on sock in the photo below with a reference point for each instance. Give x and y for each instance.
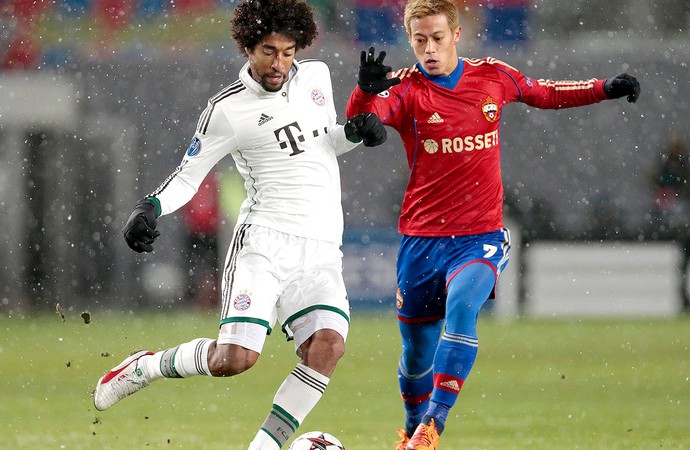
(280, 444)
(285, 417)
(167, 364)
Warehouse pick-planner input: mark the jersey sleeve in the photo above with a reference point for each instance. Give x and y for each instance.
(383, 104)
(340, 142)
(336, 131)
(209, 145)
(359, 102)
(549, 94)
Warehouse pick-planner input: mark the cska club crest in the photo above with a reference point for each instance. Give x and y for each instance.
(399, 299)
(490, 109)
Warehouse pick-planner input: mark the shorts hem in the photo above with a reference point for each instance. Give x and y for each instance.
(419, 319)
(312, 308)
(261, 322)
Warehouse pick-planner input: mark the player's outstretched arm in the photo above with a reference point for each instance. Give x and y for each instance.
(623, 85)
(367, 128)
(140, 230)
(373, 75)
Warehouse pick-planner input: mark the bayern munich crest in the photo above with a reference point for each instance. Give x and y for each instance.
(318, 97)
(242, 302)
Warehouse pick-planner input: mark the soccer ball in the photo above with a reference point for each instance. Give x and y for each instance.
(316, 440)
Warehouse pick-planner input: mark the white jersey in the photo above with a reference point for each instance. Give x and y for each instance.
(284, 145)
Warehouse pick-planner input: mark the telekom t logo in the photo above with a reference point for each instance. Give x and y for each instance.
(291, 139)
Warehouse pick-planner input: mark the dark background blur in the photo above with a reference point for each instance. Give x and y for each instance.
(99, 100)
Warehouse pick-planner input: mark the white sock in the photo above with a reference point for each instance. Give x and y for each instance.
(184, 361)
(263, 441)
(296, 397)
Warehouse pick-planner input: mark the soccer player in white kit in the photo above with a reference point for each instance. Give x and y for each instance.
(284, 264)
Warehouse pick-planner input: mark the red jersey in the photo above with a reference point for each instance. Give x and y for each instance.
(452, 140)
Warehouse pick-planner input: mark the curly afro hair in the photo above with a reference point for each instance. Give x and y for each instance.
(253, 20)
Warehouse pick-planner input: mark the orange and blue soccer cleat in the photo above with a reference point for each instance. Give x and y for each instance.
(425, 437)
(404, 439)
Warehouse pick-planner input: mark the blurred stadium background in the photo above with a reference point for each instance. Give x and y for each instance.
(99, 99)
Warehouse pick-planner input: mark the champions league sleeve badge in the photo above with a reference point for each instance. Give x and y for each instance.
(195, 147)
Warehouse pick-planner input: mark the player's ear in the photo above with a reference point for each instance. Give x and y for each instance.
(456, 34)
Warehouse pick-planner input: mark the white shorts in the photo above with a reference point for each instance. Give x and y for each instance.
(270, 277)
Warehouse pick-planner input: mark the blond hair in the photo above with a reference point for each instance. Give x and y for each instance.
(423, 8)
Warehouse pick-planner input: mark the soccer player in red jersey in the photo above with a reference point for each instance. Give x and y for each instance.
(454, 245)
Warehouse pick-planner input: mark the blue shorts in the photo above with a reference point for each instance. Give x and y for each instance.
(427, 264)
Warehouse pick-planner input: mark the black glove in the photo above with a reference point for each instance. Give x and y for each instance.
(140, 230)
(373, 75)
(623, 85)
(366, 127)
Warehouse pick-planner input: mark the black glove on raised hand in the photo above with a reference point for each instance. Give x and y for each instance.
(373, 75)
(367, 128)
(623, 85)
(140, 230)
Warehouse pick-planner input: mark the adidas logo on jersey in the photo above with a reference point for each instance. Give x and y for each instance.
(264, 118)
(451, 385)
(435, 118)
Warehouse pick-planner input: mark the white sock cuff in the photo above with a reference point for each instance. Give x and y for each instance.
(187, 360)
(311, 377)
(301, 391)
(197, 362)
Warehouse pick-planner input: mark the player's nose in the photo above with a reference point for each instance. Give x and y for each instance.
(279, 63)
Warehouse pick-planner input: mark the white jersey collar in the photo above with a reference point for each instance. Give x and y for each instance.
(255, 87)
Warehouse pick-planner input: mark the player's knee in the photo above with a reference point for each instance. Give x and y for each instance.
(229, 360)
(329, 344)
(418, 344)
(323, 350)
(417, 362)
(336, 348)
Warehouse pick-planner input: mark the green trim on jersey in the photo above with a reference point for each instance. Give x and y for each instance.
(157, 204)
(312, 308)
(263, 323)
